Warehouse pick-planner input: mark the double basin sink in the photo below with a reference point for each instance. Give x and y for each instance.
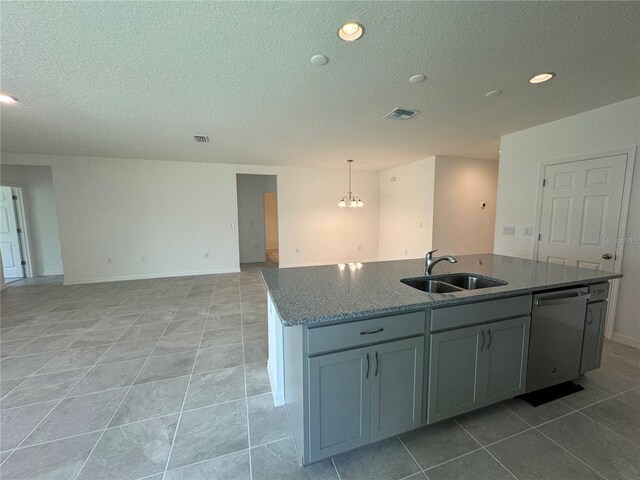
(451, 283)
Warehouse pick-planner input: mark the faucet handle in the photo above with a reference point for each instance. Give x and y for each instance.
(429, 253)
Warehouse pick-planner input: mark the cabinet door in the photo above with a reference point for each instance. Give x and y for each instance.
(593, 336)
(339, 398)
(396, 387)
(453, 372)
(504, 359)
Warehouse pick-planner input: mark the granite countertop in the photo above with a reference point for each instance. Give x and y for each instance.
(313, 295)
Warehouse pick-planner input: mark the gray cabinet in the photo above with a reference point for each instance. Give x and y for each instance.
(339, 392)
(476, 366)
(396, 387)
(593, 336)
(363, 395)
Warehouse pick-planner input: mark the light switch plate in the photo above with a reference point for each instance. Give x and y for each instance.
(508, 230)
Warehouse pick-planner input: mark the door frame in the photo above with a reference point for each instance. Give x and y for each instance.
(622, 226)
(21, 220)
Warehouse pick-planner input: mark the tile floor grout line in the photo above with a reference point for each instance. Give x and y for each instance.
(607, 428)
(484, 447)
(139, 421)
(574, 456)
(248, 449)
(335, 467)
(58, 403)
(119, 404)
(186, 392)
(244, 369)
(454, 458)
(420, 469)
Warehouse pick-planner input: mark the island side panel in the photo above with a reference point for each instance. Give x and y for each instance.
(294, 387)
(275, 363)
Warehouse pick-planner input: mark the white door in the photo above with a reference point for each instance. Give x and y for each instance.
(581, 208)
(9, 240)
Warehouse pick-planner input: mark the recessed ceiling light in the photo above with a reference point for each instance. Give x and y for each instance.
(8, 99)
(542, 77)
(319, 60)
(417, 78)
(350, 32)
(493, 93)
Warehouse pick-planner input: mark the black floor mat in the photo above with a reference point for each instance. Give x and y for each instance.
(549, 394)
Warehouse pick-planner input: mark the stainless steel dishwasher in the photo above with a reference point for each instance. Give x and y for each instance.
(555, 342)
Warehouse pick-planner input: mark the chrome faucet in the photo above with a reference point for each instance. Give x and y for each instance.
(430, 262)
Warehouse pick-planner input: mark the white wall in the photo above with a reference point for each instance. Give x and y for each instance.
(406, 210)
(174, 213)
(611, 128)
(251, 227)
(40, 211)
(460, 225)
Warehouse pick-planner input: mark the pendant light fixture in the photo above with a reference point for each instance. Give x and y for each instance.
(350, 200)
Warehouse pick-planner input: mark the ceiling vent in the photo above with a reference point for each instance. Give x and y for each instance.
(201, 138)
(401, 114)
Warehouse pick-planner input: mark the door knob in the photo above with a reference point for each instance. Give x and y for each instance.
(607, 256)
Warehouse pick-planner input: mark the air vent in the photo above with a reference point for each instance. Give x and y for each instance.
(201, 138)
(401, 114)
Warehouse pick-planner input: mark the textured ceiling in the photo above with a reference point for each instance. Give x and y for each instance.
(138, 79)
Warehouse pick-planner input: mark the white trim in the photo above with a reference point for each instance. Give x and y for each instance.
(147, 276)
(322, 264)
(632, 342)
(622, 225)
(48, 273)
(24, 225)
(25, 244)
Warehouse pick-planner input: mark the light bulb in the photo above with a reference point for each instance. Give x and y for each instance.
(350, 32)
(542, 77)
(342, 203)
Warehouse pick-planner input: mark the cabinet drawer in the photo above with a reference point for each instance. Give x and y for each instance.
(479, 312)
(364, 332)
(599, 291)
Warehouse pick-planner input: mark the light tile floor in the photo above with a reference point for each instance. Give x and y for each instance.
(166, 378)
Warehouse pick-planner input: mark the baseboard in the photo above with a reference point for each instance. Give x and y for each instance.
(297, 265)
(48, 273)
(632, 342)
(147, 276)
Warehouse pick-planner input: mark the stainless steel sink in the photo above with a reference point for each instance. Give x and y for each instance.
(470, 282)
(451, 283)
(430, 286)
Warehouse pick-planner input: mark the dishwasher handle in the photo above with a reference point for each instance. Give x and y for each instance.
(575, 297)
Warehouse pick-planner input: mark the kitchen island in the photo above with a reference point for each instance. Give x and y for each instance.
(356, 355)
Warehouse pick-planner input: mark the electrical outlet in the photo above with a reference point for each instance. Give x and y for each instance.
(108, 259)
(528, 231)
(406, 252)
(392, 179)
(508, 230)
(421, 225)
(297, 250)
(206, 255)
(142, 258)
(359, 247)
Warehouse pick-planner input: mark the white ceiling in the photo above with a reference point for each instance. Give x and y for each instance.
(138, 79)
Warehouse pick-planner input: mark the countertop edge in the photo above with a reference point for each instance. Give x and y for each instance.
(445, 301)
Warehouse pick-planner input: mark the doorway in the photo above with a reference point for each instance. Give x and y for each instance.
(13, 246)
(257, 221)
